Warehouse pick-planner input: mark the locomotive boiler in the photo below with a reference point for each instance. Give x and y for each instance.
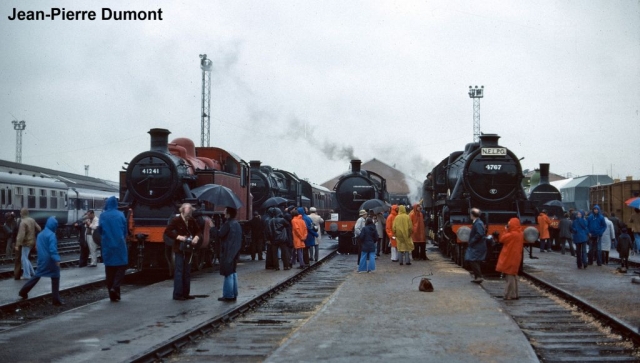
(487, 176)
(352, 189)
(156, 182)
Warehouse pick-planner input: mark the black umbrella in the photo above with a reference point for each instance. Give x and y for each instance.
(554, 203)
(377, 205)
(273, 201)
(217, 195)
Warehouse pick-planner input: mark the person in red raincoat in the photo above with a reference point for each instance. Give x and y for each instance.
(389, 229)
(418, 236)
(511, 257)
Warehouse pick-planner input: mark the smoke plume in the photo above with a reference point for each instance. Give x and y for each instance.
(300, 129)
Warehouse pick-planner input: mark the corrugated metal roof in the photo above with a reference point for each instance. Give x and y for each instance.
(70, 179)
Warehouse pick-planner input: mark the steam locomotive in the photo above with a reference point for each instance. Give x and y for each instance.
(352, 189)
(158, 181)
(267, 182)
(486, 176)
(543, 193)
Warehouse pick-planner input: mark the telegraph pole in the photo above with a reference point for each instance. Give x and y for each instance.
(476, 94)
(205, 121)
(86, 170)
(19, 126)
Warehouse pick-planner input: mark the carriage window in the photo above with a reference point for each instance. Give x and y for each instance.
(53, 201)
(17, 190)
(31, 198)
(98, 204)
(2, 198)
(43, 198)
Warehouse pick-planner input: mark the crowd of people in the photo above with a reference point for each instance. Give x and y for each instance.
(292, 235)
(590, 236)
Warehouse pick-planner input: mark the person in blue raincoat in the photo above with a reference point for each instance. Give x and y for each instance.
(580, 229)
(48, 262)
(310, 241)
(597, 226)
(113, 230)
(477, 250)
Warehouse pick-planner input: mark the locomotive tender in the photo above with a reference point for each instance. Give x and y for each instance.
(486, 176)
(352, 189)
(158, 181)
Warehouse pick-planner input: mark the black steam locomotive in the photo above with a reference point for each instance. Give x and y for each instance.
(352, 189)
(486, 176)
(543, 193)
(267, 182)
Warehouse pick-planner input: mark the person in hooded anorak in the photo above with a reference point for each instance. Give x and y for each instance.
(389, 230)
(418, 236)
(512, 240)
(113, 230)
(402, 230)
(48, 262)
(299, 229)
(580, 231)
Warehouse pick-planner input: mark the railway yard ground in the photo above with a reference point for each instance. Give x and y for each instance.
(332, 313)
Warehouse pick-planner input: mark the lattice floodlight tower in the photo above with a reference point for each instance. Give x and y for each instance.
(19, 126)
(205, 121)
(476, 93)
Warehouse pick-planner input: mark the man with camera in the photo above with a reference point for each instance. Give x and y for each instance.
(184, 230)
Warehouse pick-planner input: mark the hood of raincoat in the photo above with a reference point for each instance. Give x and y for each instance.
(402, 210)
(514, 225)
(271, 212)
(112, 203)
(24, 212)
(301, 211)
(597, 207)
(394, 210)
(51, 224)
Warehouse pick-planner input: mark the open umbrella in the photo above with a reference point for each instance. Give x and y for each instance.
(633, 202)
(377, 205)
(217, 195)
(273, 201)
(554, 203)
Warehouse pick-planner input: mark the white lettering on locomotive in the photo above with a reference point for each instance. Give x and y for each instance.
(494, 151)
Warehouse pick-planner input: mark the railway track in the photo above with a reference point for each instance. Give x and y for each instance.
(563, 328)
(65, 247)
(258, 325)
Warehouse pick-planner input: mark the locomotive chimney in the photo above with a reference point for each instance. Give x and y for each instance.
(355, 165)
(544, 173)
(489, 140)
(255, 164)
(159, 140)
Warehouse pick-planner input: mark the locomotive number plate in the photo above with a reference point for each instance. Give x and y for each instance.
(494, 151)
(492, 167)
(150, 171)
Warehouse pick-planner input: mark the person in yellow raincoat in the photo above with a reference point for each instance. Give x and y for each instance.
(402, 229)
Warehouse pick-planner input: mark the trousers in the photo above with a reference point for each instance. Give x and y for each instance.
(27, 267)
(476, 268)
(93, 250)
(55, 287)
(230, 286)
(181, 277)
(595, 250)
(581, 254)
(114, 277)
(511, 287)
(367, 261)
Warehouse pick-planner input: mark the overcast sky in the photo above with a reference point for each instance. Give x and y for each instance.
(296, 84)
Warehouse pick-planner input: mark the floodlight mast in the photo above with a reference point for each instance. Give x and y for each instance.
(19, 126)
(476, 94)
(205, 120)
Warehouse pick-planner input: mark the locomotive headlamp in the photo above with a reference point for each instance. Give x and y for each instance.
(531, 234)
(464, 233)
